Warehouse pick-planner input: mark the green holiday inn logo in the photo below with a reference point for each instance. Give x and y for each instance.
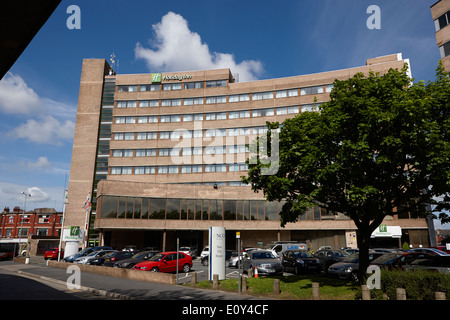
(156, 77)
(74, 231)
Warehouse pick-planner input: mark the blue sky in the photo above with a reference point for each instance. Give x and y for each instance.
(258, 39)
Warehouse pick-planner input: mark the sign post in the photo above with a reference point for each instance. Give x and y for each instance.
(238, 237)
(216, 252)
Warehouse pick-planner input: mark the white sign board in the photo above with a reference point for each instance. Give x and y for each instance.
(217, 252)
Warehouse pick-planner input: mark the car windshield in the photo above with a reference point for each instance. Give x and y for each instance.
(185, 249)
(302, 254)
(354, 258)
(262, 255)
(140, 254)
(339, 253)
(157, 257)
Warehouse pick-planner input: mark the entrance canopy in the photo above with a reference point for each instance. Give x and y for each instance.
(387, 231)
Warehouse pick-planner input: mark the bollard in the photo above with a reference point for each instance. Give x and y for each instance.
(250, 273)
(315, 291)
(401, 294)
(276, 286)
(244, 284)
(439, 295)
(365, 292)
(194, 278)
(215, 281)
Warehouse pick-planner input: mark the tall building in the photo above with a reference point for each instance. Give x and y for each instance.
(162, 155)
(440, 12)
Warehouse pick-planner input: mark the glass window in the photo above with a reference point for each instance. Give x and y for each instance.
(210, 116)
(294, 109)
(268, 95)
(271, 212)
(108, 207)
(257, 96)
(128, 153)
(157, 208)
(229, 210)
(173, 169)
(150, 170)
(175, 118)
(129, 136)
(188, 117)
(215, 209)
(163, 152)
(163, 169)
(221, 115)
(139, 170)
(233, 115)
(198, 100)
(198, 117)
(244, 114)
(164, 135)
(117, 153)
(233, 98)
(141, 153)
(328, 88)
(173, 209)
(120, 120)
(188, 101)
(292, 93)
(143, 88)
(281, 94)
(141, 136)
(281, 111)
(164, 119)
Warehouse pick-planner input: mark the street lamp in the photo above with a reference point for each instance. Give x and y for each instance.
(27, 260)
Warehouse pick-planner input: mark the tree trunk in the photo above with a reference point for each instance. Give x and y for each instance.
(363, 236)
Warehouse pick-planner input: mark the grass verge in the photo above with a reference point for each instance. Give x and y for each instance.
(291, 287)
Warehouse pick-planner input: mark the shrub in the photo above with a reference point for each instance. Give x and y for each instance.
(419, 284)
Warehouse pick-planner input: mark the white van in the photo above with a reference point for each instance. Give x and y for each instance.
(205, 252)
(279, 248)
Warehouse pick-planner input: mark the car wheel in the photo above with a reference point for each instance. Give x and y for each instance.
(186, 268)
(205, 262)
(154, 269)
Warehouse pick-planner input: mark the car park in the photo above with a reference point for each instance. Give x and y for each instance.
(264, 261)
(92, 255)
(300, 261)
(327, 257)
(348, 268)
(138, 257)
(398, 260)
(166, 262)
(52, 253)
(278, 248)
(84, 252)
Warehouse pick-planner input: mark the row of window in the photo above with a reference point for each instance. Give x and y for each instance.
(223, 99)
(153, 152)
(217, 115)
(187, 134)
(114, 207)
(195, 168)
(172, 86)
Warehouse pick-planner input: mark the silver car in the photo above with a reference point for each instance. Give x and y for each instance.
(95, 254)
(264, 261)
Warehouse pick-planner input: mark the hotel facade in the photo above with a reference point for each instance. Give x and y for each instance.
(162, 156)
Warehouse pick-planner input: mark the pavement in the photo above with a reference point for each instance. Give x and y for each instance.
(118, 288)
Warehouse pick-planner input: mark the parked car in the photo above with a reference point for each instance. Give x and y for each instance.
(398, 260)
(52, 253)
(348, 268)
(138, 257)
(299, 261)
(205, 259)
(99, 260)
(432, 251)
(190, 251)
(113, 257)
(204, 252)
(130, 247)
(387, 250)
(92, 255)
(329, 256)
(278, 248)
(264, 261)
(84, 252)
(166, 262)
(436, 263)
(443, 248)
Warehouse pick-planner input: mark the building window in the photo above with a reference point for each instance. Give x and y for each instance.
(193, 85)
(442, 21)
(445, 50)
(216, 84)
(171, 86)
(311, 90)
(133, 88)
(126, 104)
(148, 103)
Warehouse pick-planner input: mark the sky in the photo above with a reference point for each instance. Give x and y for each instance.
(257, 39)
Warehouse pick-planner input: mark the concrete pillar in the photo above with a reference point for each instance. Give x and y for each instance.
(315, 291)
(401, 294)
(276, 286)
(215, 281)
(440, 295)
(365, 292)
(193, 278)
(244, 284)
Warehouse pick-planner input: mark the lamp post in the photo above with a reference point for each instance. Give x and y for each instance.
(27, 260)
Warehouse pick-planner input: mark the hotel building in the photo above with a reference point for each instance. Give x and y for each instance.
(440, 12)
(163, 154)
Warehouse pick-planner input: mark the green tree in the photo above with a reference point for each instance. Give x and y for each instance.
(378, 146)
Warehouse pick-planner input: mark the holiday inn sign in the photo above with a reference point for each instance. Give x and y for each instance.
(158, 77)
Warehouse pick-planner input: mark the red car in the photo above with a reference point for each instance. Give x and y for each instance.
(52, 253)
(166, 262)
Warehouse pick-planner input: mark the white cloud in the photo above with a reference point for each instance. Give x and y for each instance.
(16, 97)
(41, 197)
(177, 48)
(46, 130)
(50, 122)
(41, 163)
